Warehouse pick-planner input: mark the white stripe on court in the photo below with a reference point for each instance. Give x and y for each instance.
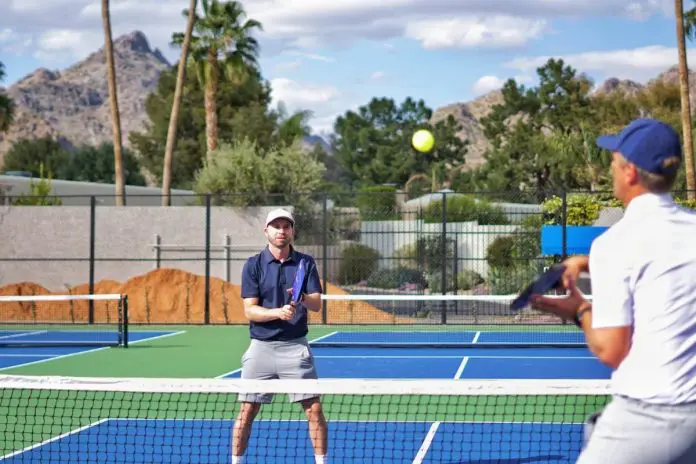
(93, 350)
(56, 438)
(28, 355)
(462, 365)
(476, 337)
(427, 441)
(23, 334)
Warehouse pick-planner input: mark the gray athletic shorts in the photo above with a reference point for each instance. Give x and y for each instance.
(265, 360)
(634, 432)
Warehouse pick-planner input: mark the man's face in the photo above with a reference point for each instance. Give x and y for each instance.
(280, 232)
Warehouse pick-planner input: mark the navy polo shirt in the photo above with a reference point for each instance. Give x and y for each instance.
(266, 278)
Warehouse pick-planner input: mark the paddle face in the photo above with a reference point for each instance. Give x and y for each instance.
(298, 283)
(545, 282)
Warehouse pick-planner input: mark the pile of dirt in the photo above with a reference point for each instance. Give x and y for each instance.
(168, 296)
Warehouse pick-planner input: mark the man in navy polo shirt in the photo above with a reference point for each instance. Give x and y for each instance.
(278, 329)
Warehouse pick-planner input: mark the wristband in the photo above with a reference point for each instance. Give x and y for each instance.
(578, 315)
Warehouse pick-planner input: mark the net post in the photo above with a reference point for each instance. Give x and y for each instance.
(92, 238)
(207, 259)
(443, 238)
(324, 252)
(125, 321)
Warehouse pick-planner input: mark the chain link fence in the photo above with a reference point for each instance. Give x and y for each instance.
(182, 263)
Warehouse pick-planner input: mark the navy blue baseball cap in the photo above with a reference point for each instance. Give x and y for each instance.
(647, 143)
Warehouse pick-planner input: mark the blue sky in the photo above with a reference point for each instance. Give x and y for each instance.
(330, 57)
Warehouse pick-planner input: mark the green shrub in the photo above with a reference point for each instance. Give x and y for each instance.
(465, 280)
(377, 203)
(395, 278)
(581, 209)
(466, 209)
(358, 262)
(512, 279)
(500, 252)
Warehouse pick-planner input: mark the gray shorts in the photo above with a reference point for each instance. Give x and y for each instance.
(633, 432)
(266, 360)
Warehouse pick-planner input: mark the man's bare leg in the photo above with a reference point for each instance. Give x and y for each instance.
(318, 430)
(242, 430)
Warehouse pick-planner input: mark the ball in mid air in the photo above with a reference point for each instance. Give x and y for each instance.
(423, 140)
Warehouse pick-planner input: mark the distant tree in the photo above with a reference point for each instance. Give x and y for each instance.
(39, 192)
(685, 99)
(96, 164)
(222, 46)
(31, 155)
(373, 144)
(7, 106)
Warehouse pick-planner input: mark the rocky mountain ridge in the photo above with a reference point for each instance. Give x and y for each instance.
(72, 106)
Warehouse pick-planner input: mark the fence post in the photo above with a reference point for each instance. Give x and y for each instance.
(443, 238)
(325, 250)
(207, 259)
(92, 239)
(564, 223)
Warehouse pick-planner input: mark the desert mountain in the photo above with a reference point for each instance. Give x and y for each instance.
(73, 105)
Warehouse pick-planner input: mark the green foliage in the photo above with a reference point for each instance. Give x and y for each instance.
(501, 251)
(581, 209)
(465, 209)
(242, 113)
(377, 203)
(39, 192)
(7, 105)
(96, 164)
(396, 278)
(241, 174)
(509, 280)
(31, 155)
(373, 144)
(358, 263)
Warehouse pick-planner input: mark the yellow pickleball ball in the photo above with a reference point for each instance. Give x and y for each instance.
(423, 140)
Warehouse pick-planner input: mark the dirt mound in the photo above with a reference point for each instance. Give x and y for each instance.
(168, 296)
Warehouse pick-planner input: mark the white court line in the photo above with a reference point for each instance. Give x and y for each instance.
(27, 355)
(450, 357)
(93, 350)
(59, 437)
(427, 441)
(23, 334)
(240, 369)
(476, 337)
(462, 365)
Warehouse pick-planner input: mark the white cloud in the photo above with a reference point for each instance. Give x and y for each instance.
(312, 56)
(487, 84)
(475, 31)
(638, 64)
(378, 75)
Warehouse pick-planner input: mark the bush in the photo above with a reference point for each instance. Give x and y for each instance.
(396, 278)
(358, 262)
(581, 209)
(512, 279)
(466, 209)
(377, 203)
(465, 280)
(500, 252)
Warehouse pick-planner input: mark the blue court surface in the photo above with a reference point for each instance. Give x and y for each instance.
(431, 338)
(16, 356)
(287, 441)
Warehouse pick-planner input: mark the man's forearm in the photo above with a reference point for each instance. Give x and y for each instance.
(257, 313)
(312, 302)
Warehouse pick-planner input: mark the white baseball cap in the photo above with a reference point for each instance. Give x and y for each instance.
(280, 213)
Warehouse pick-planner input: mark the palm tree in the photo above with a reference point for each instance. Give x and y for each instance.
(294, 126)
(221, 47)
(115, 113)
(685, 102)
(7, 106)
(190, 13)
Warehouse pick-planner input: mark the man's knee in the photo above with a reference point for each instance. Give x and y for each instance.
(247, 412)
(313, 408)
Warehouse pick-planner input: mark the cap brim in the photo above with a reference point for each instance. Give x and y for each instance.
(290, 220)
(608, 142)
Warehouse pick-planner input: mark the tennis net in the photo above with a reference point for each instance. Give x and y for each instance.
(64, 320)
(384, 320)
(156, 420)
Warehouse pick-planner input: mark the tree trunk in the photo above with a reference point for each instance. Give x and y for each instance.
(113, 100)
(211, 119)
(174, 117)
(685, 103)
